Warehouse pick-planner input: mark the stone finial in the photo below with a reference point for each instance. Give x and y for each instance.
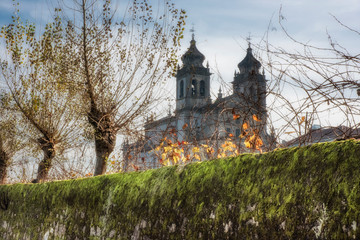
(220, 93)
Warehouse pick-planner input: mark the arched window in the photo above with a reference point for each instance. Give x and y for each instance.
(202, 88)
(193, 87)
(181, 95)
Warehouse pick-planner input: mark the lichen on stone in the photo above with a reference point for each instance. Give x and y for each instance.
(298, 193)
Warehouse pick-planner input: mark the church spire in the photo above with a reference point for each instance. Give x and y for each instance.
(193, 57)
(249, 63)
(192, 79)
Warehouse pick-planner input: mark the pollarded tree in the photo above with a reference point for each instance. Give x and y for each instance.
(35, 70)
(121, 62)
(11, 140)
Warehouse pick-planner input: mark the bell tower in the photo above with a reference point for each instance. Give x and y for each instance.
(249, 85)
(192, 80)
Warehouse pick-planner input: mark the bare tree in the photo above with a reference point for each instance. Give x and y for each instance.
(312, 82)
(121, 62)
(34, 70)
(11, 140)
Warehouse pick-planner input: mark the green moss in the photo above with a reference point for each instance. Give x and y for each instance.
(298, 193)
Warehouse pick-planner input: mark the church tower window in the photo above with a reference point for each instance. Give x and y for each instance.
(202, 88)
(181, 95)
(193, 87)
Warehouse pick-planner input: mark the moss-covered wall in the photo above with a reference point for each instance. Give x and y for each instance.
(298, 193)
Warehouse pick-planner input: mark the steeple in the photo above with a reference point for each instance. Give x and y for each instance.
(193, 79)
(249, 64)
(193, 57)
(249, 85)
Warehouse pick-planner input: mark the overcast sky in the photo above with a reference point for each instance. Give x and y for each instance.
(222, 25)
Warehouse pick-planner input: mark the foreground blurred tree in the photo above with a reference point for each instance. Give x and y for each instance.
(324, 78)
(34, 70)
(120, 63)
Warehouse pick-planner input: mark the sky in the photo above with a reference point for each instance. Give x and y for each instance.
(222, 27)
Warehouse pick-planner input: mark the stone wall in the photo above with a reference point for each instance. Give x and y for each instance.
(297, 193)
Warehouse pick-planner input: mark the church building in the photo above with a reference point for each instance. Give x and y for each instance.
(239, 118)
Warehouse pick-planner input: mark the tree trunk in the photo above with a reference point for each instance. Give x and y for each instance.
(48, 148)
(105, 137)
(104, 145)
(4, 163)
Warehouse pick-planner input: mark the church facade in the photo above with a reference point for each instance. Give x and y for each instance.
(238, 119)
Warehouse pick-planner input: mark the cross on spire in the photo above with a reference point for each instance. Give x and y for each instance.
(192, 30)
(248, 39)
